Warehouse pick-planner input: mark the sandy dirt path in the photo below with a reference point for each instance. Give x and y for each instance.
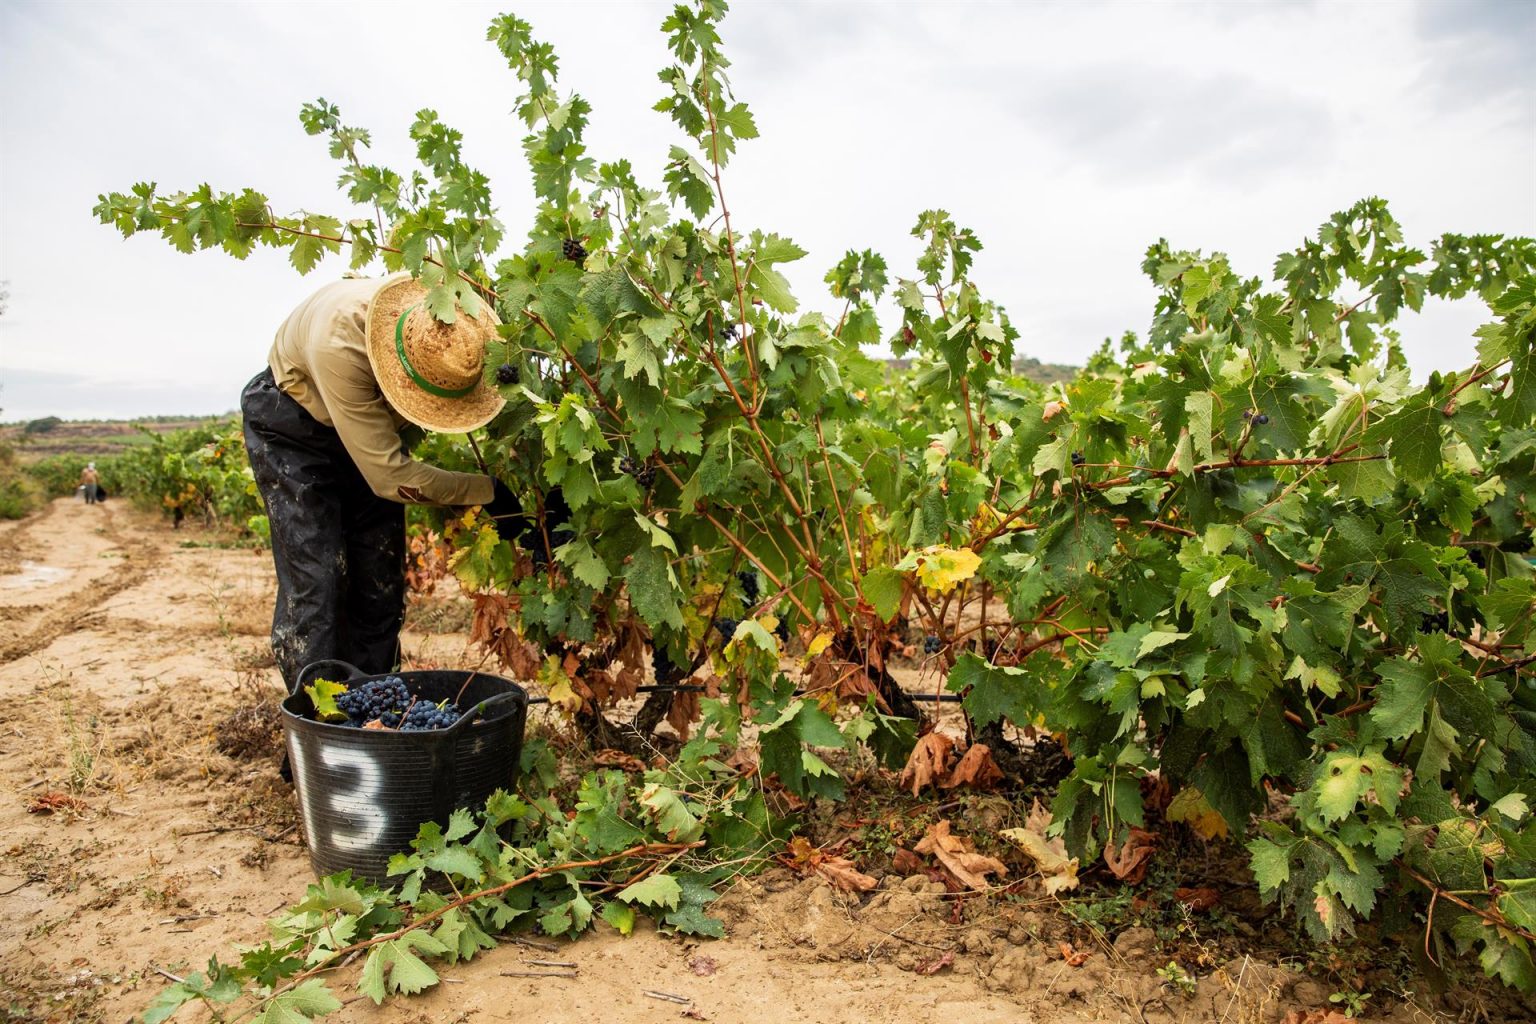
(123, 648)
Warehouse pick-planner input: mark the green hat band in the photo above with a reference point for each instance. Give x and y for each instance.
(410, 371)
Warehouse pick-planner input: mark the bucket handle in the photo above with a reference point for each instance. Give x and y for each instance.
(329, 668)
(490, 702)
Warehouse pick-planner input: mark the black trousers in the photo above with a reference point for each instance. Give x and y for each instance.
(338, 548)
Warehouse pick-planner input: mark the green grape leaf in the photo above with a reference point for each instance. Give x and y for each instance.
(658, 890)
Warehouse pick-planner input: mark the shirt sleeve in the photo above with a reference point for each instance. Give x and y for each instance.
(367, 430)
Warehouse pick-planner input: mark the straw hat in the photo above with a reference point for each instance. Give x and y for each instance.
(431, 372)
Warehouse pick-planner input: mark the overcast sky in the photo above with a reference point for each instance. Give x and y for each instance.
(1068, 135)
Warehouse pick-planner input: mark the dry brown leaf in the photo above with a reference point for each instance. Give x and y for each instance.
(1049, 855)
(611, 758)
(800, 854)
(1051, 410)
(975, 769)
(929, 762)
(1074, 957)
(56, 801)
(1203, 898)
(936, 965)
(683, 712)
(841, 873)
(1128, 861)
(523, 660)
(703, 965)
(490, 629)
(959, 856)
(906, 862)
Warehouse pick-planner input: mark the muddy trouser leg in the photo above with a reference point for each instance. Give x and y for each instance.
(299, 467)
(374, 603)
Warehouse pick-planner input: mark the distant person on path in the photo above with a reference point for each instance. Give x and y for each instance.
(357, 365)
(91, 481)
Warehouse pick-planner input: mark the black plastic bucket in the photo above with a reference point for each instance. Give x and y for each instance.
(364, 793)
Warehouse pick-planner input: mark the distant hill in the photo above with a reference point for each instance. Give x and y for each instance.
(38, 439)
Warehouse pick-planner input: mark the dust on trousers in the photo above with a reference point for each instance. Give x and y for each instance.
(339, 549)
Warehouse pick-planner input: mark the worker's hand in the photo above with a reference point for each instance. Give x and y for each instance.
(504, 506)
(512, 523)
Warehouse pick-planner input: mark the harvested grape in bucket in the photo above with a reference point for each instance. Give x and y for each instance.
(385, 703)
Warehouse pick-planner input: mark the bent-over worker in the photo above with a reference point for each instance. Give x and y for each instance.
(357, 365)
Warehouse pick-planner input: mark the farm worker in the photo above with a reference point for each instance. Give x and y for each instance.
(90, 480)
(353, 370)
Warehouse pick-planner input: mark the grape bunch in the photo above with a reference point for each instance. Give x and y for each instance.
(1257, 417)
(380, 699)
(782, 630)
(506, 373)
(574, 251)
(425, 715)
(1078, 458)
(663, 665)
(931, 644)
(748, 580)
(727, 627)
(643, 472)
(728, 332)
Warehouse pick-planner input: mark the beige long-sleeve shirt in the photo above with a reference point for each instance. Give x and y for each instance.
(320, 359)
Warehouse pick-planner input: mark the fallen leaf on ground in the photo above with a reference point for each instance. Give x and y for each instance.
(976, 769)
(1203, 898)
(56, 801)
(843, 875)
(937, 964)
(928, 764)
(1050, 855)
(839, 872)
(1074, 957)
(959, 855)
(703, 965)
(1316, 1017)
(611, 758)
(906, 862)
(1129, 860)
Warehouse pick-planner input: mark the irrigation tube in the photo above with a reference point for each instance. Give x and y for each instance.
(921, 698)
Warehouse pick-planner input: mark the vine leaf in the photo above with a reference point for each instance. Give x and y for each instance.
(393, 966)
(658, 890)
(1050, 855)
(928, 763)
(958, 854)
(322, 694)
(303, 1003)
(620, 915)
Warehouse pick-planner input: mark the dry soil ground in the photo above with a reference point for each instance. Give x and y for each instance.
(132, 844)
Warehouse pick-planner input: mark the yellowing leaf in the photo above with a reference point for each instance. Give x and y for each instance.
(1191, 807)
(322, 694)
(1050, 855)
(558, 685)
(818, 645)
(942, 569)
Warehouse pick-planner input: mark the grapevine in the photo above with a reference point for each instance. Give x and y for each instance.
(1241, 555)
